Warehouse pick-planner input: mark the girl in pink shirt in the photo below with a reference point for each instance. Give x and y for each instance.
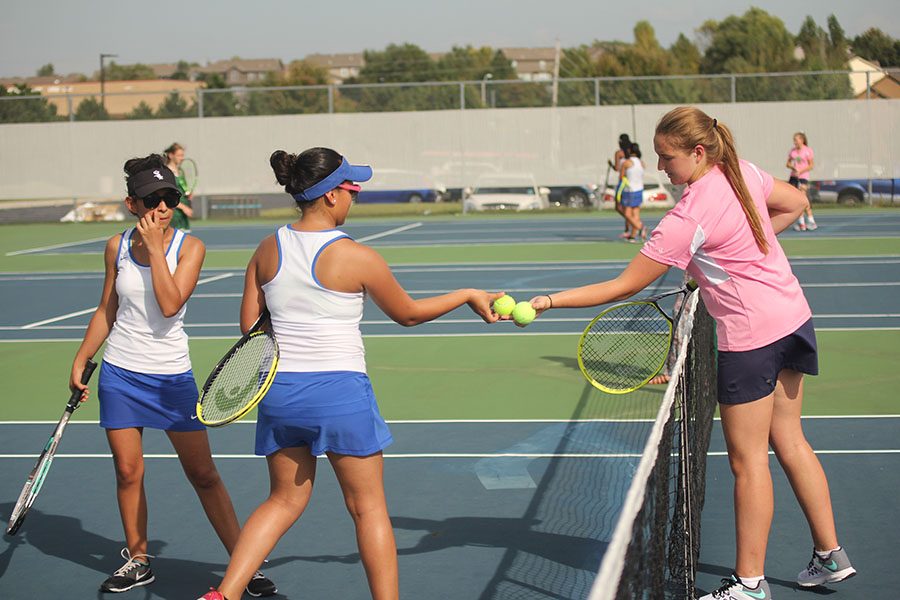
(800, 161)
(722, 233)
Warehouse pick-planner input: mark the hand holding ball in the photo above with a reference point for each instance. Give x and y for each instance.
(504, 305)
(523, 313)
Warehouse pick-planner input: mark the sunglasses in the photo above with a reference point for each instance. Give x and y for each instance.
(352, 188)
(171, 198)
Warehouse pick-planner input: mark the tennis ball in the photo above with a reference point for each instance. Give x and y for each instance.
(523, 313)
(504, 305)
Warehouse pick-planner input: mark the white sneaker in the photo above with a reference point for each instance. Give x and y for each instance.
(833, 568)
(733, 589)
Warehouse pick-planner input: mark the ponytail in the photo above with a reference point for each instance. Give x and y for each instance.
(687, 127)
(732, 169)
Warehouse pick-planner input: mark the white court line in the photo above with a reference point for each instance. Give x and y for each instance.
(485, 421)
(93, 308)
(531, 455)
(56, 246)
(376, 236)
(430, 323)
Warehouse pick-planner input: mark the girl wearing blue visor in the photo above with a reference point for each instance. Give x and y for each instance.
(313, 278)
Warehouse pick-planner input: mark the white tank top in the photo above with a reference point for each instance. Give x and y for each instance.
(635, 175)
(142, 339)
(317, 329)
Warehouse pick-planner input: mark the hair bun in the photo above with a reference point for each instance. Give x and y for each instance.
(282, 165)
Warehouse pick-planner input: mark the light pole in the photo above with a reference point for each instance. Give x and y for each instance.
(103, 77)
(483, 86)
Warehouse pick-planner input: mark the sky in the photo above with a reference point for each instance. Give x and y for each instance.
(71, 35)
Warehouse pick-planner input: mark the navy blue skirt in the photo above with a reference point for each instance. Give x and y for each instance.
(750, 375)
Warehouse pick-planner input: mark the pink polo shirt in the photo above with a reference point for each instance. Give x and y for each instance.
(801, 158)
(754, 297)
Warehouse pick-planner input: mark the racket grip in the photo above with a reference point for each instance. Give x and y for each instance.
(75, 398)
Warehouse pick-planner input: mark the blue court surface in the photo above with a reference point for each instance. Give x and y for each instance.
(482, 509)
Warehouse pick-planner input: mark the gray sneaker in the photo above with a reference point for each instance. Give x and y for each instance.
(132, 574)
(833, 568)
(733, 589)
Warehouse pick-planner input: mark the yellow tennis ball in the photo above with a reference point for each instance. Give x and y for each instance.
(504, 305)
(523, 313)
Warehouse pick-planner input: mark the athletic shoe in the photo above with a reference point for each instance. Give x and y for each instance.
(212, 594)
(812, 226)
(799, 227)
(733, 589)
(260, 585)
(132, 574)
(831, 569)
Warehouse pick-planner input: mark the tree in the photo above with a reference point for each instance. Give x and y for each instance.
(175, 107)
(686, 57)
(117, 72)
(877, 46)
(288, 102)
(755, 42)
(220, 103)
(182, 71)
(24, 110)
(822, 51)
(141, 111)
(46, 71)
(405, 63)
(90, 109)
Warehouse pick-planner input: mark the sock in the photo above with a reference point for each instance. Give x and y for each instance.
(825, 554)
(751, 582)
(811, 219)
(802, 221)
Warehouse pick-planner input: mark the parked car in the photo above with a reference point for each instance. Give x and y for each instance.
(573, 196)
(656, 194)
(506, 192)
(853, 187)
(395, 185)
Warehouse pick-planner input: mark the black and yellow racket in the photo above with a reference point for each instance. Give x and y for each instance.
(626, 345)
(39, 473)
(190, 174)
(242, 377)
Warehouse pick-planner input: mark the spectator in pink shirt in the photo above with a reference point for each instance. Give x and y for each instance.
(800, 161)
(722, 233)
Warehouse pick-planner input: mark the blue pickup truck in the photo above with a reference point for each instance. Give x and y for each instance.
(855, 191)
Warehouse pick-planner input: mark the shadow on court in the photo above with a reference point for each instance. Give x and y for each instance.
(64, 538)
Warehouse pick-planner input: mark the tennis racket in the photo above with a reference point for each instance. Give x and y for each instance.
(39, 472)
(189, 173)
(241, 378)
(626, 345)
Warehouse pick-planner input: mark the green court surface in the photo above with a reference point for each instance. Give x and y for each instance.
(486, 377)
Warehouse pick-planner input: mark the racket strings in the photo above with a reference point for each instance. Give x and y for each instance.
(240, 379)
(627, 346)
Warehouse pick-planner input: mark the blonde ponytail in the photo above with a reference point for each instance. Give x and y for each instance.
(687, 127)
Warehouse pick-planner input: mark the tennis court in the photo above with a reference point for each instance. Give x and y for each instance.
(508, 472)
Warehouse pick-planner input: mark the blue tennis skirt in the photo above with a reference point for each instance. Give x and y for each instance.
(130, 399)
(752, 374)
(632, 199)
(332, 411)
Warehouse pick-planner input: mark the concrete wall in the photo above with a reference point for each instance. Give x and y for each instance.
(84, 160)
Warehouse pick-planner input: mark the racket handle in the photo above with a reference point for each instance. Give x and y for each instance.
(691, 285)
(75, 398)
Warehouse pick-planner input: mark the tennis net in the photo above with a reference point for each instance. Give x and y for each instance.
(656, 542)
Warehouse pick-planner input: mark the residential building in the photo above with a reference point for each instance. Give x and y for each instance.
(120, 97)
(340, 67)
(532, 64)
(238, 72)
(881, 83)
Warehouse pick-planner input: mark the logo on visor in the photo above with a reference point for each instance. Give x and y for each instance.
(158, 175)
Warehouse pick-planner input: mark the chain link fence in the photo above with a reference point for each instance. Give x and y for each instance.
(430, 96)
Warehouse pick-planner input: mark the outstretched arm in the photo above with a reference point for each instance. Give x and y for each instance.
(640, 272)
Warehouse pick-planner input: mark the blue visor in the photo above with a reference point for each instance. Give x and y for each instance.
(345, 172)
